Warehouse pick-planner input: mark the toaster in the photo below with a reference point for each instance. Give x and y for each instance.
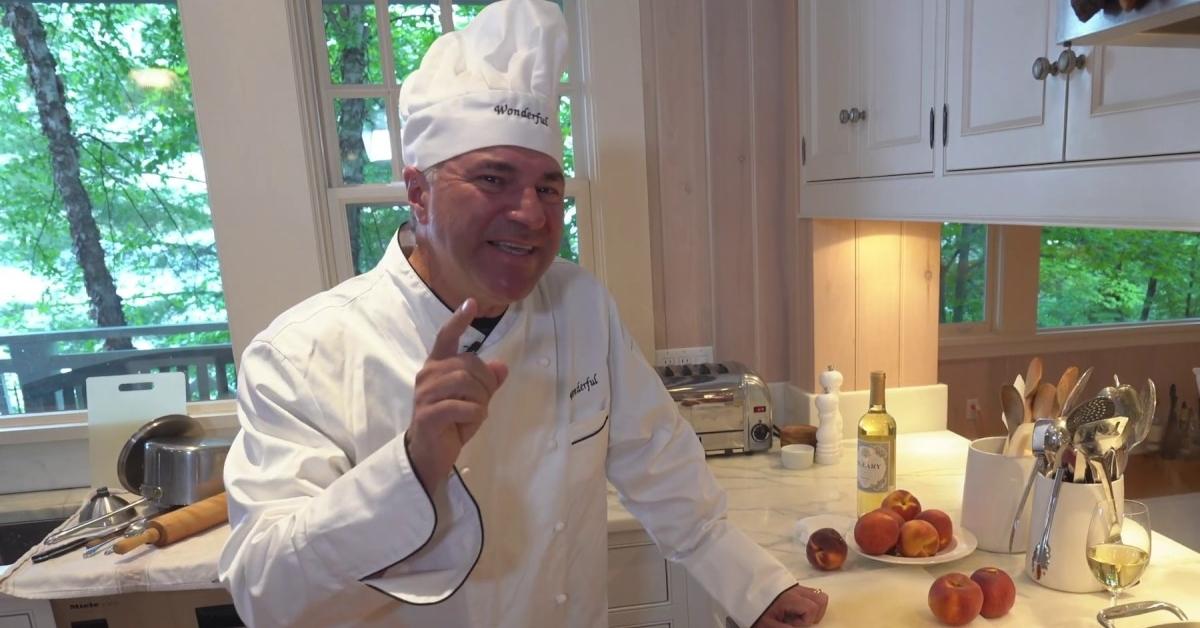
(727, 404)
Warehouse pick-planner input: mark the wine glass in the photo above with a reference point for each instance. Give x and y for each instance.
(1118, 545)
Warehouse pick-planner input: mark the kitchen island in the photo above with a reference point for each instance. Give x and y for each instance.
(765, 500)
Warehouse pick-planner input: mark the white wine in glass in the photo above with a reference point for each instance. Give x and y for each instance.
(1119, 548)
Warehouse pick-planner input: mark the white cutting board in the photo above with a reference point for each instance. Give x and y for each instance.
(120, 404)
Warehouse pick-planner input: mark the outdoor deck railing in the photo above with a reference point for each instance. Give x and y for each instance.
(38, 375)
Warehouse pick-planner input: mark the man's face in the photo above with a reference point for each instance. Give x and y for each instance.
(488, 224)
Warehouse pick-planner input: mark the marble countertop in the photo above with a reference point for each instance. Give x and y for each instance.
(766, 500)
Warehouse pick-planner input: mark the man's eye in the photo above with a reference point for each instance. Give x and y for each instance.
(549, 192)
(490, 179)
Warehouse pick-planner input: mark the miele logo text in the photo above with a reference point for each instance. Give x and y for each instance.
(537, 118)
(586, 384)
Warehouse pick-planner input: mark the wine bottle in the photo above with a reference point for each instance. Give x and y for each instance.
(876, 450)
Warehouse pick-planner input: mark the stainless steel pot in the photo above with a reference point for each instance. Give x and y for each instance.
(182, 470)
(1106, 616)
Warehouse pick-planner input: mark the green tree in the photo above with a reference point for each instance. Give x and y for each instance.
(963, 272)
(125, 89)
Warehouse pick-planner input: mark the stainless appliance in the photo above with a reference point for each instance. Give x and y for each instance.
(727, 404)
(1170, 23)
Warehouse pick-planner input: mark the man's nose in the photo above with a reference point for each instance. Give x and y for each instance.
(529, 209)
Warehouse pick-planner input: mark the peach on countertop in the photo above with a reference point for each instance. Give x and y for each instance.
(955, 599)
(826, 549)
(999, 591)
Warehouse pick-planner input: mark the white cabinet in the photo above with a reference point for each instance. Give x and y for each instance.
(1129, 102)
(898, 88)
(869, 73)
(831, 68)
(1123, 102)
(998, 113)
(643, 588)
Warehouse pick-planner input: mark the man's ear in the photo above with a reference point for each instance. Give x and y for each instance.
(418, 188)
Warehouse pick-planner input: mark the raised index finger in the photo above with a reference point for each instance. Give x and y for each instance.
(446, 343)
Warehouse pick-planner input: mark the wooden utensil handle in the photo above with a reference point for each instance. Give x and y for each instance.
(124, 546)
(193, 519)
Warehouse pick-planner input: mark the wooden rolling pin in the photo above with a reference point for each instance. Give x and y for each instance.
(178, 524)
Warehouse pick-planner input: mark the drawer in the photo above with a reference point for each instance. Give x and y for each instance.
(637, 576)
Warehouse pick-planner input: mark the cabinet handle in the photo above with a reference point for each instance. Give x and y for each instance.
(1068, 61)
(1043, 68)
(843, 116)
(857, 115)
(931, 127)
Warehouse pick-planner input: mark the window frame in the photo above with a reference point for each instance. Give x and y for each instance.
(339, 196)
(1010, 326)
(255, 77)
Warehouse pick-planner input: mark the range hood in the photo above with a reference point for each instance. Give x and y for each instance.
(1167, 23)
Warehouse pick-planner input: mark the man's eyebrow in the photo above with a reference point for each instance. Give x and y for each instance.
(555, 176)
(497, 165)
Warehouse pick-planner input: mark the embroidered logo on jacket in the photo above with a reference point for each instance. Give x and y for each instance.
(585, 384)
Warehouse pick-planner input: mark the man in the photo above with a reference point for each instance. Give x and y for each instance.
(427, 444)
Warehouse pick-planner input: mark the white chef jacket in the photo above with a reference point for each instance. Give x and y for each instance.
(331, 527)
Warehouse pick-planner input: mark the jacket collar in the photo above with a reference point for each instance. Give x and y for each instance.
(429, 311)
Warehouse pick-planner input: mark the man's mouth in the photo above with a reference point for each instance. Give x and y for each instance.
(512, 248)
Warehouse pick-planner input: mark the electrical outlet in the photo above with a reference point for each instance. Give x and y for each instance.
(687, 355)
(973, 410)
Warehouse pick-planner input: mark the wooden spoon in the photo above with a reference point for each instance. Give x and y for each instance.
(1044, 402)
(1065, 384)
(1033, 377)
(1013, 406)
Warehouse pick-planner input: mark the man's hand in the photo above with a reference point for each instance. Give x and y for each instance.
(797, 606)
(450, 400)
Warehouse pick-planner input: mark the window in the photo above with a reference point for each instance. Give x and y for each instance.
(1106, 276)
(108, 262)
(367, 49)
(964, 273)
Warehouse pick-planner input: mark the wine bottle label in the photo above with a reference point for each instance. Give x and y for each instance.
(873, 462)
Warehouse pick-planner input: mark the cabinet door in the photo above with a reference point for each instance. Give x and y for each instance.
(898, 90)
(999, 114)
(830, 60)
(1130, 101)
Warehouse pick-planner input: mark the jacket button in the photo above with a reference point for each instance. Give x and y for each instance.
(561, 598)
(544, 362)
(552, 444)
(558, 527)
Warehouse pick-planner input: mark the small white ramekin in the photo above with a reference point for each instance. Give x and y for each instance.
(796, 456)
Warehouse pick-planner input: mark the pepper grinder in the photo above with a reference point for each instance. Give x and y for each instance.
(829, 430)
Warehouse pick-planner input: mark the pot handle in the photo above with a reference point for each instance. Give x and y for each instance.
(1106, 616)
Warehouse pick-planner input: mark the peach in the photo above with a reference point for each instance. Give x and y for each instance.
(903, 502)
(876, 533)
(891, 513)
(955, 599)
(999, 592)
(826, 549)
(941, 521)
(918, 539)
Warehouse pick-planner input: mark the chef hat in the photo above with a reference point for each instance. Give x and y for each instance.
(493, 83)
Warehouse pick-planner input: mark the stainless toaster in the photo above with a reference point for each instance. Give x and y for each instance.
(727, 404)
